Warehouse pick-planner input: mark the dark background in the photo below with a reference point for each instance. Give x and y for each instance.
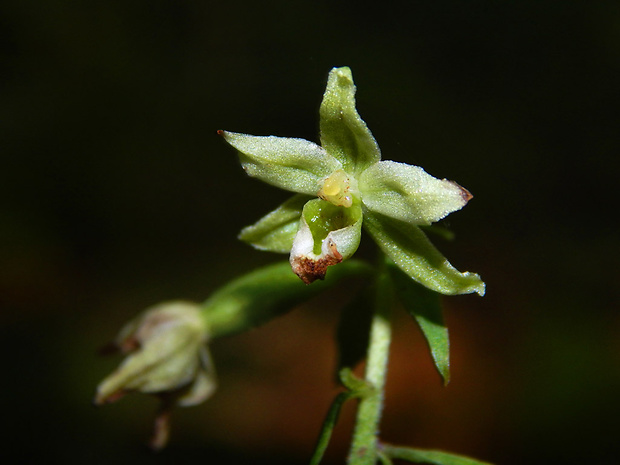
(116, 193)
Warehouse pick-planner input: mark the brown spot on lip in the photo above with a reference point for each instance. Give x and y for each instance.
(309, 269)
(334, 250)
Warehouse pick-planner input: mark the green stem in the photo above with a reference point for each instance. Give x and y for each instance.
(365, 435)
(328, 427)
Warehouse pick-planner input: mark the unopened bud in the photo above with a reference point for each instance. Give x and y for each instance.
(166, 356)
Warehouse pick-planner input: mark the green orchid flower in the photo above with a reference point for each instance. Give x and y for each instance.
(342, 185)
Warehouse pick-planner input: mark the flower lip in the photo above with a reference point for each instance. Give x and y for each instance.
(327, 235)
(310, 269)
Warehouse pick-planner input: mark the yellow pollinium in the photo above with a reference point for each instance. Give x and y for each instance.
(336, 189)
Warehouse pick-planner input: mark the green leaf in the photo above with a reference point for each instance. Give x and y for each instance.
(296, 165)
(383, 458)
(411, 250)
(424, 306)
(263, 294)
(276, 231)
(433, 457)
(328, 427)
(343, 133)
(410, 194)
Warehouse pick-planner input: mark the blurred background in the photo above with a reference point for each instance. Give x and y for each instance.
(116, 193)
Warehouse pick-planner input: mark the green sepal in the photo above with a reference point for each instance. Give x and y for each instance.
(276, 231)
(261, 295)
(344, 134)
(353, 330)
(434, 457)
(411, 250)
(296, 165)
(203, 386)
(408, 193)
(424, 306)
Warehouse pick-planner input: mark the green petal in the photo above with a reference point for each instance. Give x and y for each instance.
(275, 231)
(296, 165)
(408, 193)
(411, 250)
(424, 306)
(327, 235)
(343, 133)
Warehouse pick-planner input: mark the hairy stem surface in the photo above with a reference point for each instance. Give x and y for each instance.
(365, 435)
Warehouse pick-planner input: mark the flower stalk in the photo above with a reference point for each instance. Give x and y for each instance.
(365, 435)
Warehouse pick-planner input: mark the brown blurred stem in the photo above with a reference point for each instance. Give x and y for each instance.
(161, 427)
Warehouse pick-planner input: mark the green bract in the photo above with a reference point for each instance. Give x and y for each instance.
(354, 188)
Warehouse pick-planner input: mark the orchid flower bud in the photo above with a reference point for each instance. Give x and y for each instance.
(166, 356)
